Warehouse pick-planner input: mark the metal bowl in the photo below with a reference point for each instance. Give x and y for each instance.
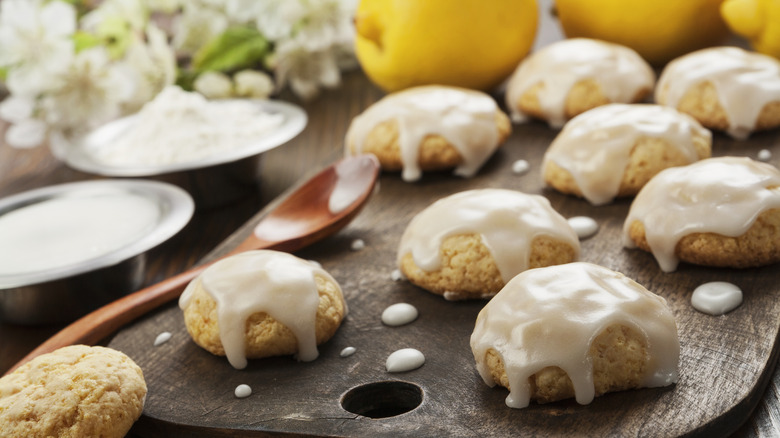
(213, 181)
(68, 290)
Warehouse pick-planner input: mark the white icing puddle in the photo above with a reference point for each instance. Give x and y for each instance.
(243, 391)
(405, 359)
(584, 226)
(357, 245)
(521, 167)
(162, 338)
(347, 351)
(399, 314)
(716, 298)
(764, 155)
(397, 275)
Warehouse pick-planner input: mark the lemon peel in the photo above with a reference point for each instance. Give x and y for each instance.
(756, 20)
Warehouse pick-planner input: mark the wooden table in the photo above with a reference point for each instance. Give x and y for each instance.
(318, 145)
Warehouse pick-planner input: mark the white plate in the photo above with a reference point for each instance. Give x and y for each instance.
(81, 156)
(175, 205)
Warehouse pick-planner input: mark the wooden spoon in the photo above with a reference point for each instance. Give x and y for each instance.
(311, 211)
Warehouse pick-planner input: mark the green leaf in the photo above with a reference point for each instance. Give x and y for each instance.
(236, 48)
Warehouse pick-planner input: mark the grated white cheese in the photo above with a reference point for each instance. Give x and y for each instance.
(179, 126)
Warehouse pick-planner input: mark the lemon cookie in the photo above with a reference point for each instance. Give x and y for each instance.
(569, 77)
(575, 330)
(724, 88)
(430, 128)
(468, 245)
(613, 150)
(262, 303)
(721, 212)
(75, 391)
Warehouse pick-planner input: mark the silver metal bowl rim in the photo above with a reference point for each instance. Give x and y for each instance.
(81, 158)
(176, 205)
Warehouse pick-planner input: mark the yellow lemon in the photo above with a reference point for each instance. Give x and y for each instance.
(467, 43)
(756, 20)
(659, 30)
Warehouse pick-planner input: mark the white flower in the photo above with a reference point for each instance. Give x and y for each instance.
(132, 12)
(151, 67)
(253, 83)
(328, 23)
(214, 85)
(35, 43)
(305, 71)
(26, 131)
(196, 26)
(167, 6)
(93, 92)
(278, 18)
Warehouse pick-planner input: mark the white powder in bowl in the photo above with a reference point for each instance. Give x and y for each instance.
(179, 127)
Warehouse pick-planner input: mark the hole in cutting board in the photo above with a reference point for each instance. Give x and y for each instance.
(382, 399)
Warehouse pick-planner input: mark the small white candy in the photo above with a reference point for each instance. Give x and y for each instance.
(520, 167)
(405, 359)
(397, 275)
(399, 314)
(162, 338)
(583, 226)
(358, 244)
(348, 351)
(243, 391)
(764, 155)
(716, 297)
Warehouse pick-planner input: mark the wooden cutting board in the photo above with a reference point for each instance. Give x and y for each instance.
(726, 361)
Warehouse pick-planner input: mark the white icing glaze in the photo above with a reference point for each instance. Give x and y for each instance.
(584, 226)
(405, 359)
(277, 283)
(620, 72)
(162, 338)
(764, 155)
(357, 245)
(718, 195)
(399, 314)
(507, 221)
(744, 81)
(521, 167)
(595, 147)
(465, 118)
(347, 351)
(243, 391)
(550, 316)
(80, 226)
(716, 297)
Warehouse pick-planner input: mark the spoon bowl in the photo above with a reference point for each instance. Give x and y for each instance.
(307, 213)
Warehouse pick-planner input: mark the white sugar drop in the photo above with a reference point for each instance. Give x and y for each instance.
(162, 338)
(405, 359)
(716, 298)
(243, 391)
(397, 275)
(764, 155)
(358, 244)
(399, 314)
(584, 226)
(348, 351)
(520, 167)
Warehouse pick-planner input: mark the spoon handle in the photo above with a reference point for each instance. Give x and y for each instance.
(95, 326)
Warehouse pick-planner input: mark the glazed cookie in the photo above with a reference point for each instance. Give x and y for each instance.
(575, 330)
(572, 76)
(725, 88)
(75, 391)
(722, 212)
(430, 128)
(613, 150)
(468, 245)
(262, 303)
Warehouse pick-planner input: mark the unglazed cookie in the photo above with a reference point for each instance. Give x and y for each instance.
(262, 303)
(430, 128)
(468, 245)
(721, 212)
(76, 391)
(613, 150)
(569, 77)
(575, 330)
(725, 88)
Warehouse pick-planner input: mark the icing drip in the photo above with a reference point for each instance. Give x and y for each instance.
(595, 147)
(279, 284)
(507, 221)
(744, 81)
(620, 72)
(718, 195)
(549, 317)
(465, 118)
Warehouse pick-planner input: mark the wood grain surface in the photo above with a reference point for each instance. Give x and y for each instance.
(725, 364)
